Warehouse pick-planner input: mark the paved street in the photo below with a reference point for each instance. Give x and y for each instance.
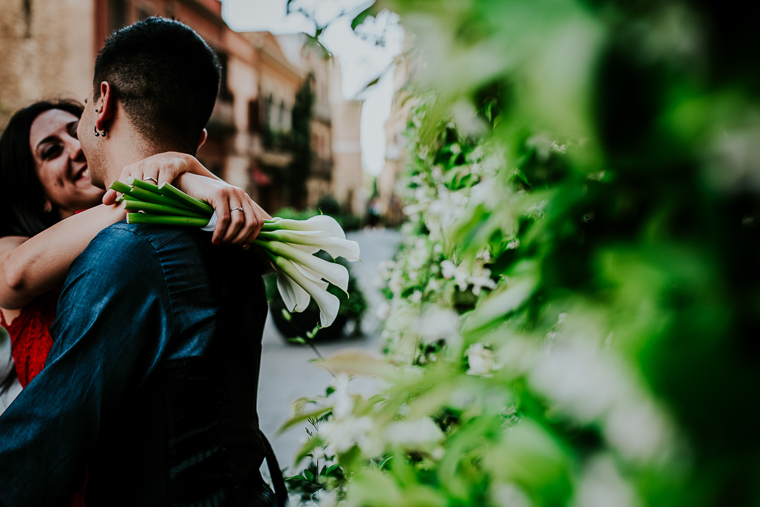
(286, 370)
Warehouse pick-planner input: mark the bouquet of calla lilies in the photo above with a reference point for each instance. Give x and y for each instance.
(289, 244)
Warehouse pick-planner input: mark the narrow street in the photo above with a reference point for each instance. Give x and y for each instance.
(286, 369)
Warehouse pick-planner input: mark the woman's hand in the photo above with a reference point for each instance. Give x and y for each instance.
(161, 168)
(234, 226)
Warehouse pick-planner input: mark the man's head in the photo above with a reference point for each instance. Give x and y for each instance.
(160, 77)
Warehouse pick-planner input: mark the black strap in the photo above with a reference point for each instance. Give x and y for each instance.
(278, 482)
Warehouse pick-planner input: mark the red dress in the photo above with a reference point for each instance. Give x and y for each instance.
(30, 345)
(30, 336)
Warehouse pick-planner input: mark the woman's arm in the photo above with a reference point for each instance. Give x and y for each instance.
(32, 266)
(185, 172)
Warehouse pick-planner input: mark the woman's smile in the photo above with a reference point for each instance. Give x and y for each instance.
(60, 163)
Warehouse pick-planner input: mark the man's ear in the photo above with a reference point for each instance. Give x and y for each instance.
(108, 107)
(204, 136)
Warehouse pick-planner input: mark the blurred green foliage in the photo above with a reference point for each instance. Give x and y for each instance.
(576, 307)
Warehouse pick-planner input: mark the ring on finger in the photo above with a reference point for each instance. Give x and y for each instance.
(146, 178)
(237, 209)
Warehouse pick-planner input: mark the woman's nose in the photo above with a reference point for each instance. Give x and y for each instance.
(75, 150)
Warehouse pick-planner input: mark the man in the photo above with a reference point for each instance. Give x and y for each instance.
(150, 389)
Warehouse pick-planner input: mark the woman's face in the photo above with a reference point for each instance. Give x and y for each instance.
(60, 163)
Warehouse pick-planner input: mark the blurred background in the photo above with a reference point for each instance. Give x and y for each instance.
(569, 310)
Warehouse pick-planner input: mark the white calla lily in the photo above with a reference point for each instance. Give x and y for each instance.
(309, 249)
(308, 272)
(330, 271)
(294, 296)
(336, 247)
(320, 223)
(328, 304)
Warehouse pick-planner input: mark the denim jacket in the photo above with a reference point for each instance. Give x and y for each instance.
(150, 388)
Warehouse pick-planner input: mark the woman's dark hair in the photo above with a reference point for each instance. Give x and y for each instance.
(21, 193)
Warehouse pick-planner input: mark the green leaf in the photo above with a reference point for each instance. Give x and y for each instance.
(372, 10)
(304, 416)
(332, 469)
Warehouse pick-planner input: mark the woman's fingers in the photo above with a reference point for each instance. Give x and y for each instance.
(146, 171)
(170, 169)
(109, 198)
(157, 169)
(260, 215)
(249, 227)
(246, 243)
(222, 209)
(237, 222)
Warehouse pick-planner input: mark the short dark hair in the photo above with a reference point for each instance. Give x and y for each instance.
(22, 197)
(165, 76)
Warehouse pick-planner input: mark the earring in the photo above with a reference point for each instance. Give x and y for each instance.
(48, 207)
(98, 134)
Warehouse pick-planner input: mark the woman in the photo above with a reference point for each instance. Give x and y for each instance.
(49, 212)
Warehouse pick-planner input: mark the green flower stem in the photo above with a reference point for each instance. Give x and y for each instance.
(142, 218)
(121, 187)
(150, 207)
(147, 196)
(145, 185)
(272, 235)
(167, 190)
(139, 194)
(270, 225)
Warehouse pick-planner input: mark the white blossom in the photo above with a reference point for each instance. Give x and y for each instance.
(342, 434)
(421, 432)
(438, 323)
(602, 485)
(481, 360)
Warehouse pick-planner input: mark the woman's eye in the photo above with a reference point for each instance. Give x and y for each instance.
(51, 152)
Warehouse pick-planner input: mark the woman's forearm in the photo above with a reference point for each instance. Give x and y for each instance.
(39, 264)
